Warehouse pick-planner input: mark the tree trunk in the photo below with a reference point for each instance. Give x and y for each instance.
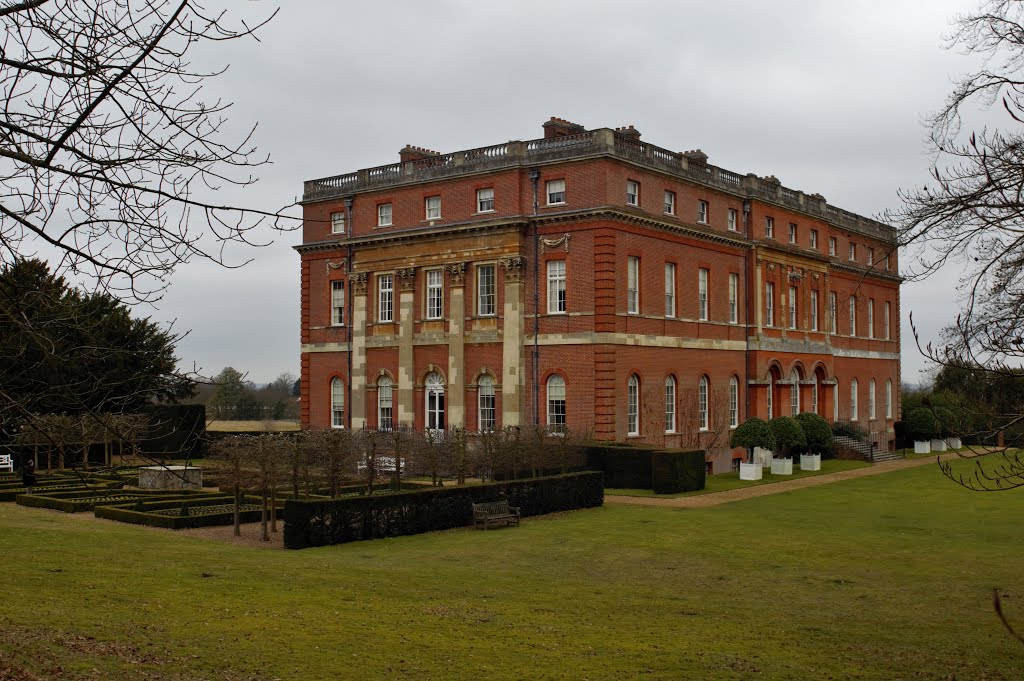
(273, 509)
(238, 511)
(263, 517)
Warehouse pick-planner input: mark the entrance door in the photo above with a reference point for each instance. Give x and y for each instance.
(434, 388)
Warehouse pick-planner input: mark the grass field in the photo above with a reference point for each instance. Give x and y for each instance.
(887, 577)
(252, 426)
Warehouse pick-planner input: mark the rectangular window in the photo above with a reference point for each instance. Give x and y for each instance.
(556, 192)
(337, 303)
(769, 228)
(853, 316)
(832, 246)
(384, 215)
(871, 317)
(670, 289)
(833, 307)
(814, 239)
(556, 286)
(853, 252)
(814, 310)
(885, 321)
(702, 212)
(769, 304)
(632, 193)
(433, 207)
(385, 298)
(792, 307)
(337, 223)
(670, 203)
(385, 406)
(702, 294)
(486, 294)
(435, 294)
(733, 220)
(485, 200)
(792, 232)
(886, 262)
(633, 285)
(734, 305)
(487, 412)
(670, 405)
(871, 256)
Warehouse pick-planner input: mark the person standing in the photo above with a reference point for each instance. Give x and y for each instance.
(28, 474)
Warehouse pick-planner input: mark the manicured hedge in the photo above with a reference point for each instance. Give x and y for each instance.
(678, 470)
(336, 521)
(128, 514)
(80, 500)
(623, 466)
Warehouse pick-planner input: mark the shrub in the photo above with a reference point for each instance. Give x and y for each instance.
(817, 432)
(677, 470)
(623, 466)
(753, 433)
(788, 433)
(315, 522)
(921, 424)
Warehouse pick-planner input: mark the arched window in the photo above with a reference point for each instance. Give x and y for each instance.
(556, 403)
(734, 402)
(485, 400)
(794, 392)
(853, 400)
(434, 394)
(871, 399)
(771, 394)
(337, 403)
(702, 402)
(814, 396)
(385, 405)
(633, 405)
(888, 399)
(670, 404)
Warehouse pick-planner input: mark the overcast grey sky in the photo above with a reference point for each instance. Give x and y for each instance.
(827, 96)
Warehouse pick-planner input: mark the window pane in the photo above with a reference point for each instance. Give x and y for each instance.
(556, 286)
(337, 302)
(556, 404)
(486, 294)
(337, 403)
(435, 294)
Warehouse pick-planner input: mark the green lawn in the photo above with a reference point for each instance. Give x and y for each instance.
(727, 481)
(887, 577)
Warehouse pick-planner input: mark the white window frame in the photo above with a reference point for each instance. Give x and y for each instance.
(670, 289)
(793, 233)
(485, 200)
(486, 290)
(434, 403)
(853, 316)
(792, 307)
(556, 287)
(871, 257)
(385, 214)
(814, 396)
(670, 404)
(833, 313)
(833, 245)
(337, 223)
(835, 401)
(385, 298)
(633, 405)
(854, 416)
(853, 252)
(885, 321)
(794, 392)
(769, 227)
(814, 310)
(888, 398)
(702, 212)
(770, 402)
(432, 206)
(670, 202)
(702, 294)
(435, 294)
(769, 303)
(734, 304)
(871, 317)
(385, 404)
(734, 402)
(733, 223)
(632, 193)
(337, 403)
(702, 403)
(871, 400)
(338, 303)
(487, 414)
(555, 396)
(555, 192)
(814, 239)
(632, 284)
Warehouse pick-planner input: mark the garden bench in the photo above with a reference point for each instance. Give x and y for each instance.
(495, 511)
(7, 463)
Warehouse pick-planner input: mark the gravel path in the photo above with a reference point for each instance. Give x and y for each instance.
(716, 498)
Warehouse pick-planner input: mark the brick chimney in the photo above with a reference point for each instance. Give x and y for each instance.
(696, 155)
(558, 127)
(411, 153)
(629, 131)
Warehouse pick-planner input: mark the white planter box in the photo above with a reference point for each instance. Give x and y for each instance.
(922, 447)
(751, 471)
(763, 456)
(782, 466)
(938, 445)
(954, 443)
(810, 462)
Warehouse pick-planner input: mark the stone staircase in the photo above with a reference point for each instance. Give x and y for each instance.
(863, 447)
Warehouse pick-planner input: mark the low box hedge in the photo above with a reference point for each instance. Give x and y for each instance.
(128, 514)
(85, 500)
(336, 521)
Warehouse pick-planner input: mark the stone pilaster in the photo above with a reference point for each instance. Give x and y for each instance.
(456, 344)
(406, 363)
(513, 378)
(357, 409)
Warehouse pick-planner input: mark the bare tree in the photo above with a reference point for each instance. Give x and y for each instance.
(231, 455)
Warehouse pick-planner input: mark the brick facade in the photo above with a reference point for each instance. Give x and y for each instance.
(492, 267)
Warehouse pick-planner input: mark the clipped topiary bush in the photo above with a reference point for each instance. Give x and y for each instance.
(678, 470)
(753, 432)
(817, 432)
(788, 433)
(921, 424)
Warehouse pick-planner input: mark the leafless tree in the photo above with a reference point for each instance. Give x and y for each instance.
(231, 456)
(709, 436)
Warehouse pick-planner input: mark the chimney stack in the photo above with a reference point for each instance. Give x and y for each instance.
(559, 127)
(411, 153)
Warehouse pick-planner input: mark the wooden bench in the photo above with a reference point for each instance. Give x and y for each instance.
(495, 511)
(6, 463)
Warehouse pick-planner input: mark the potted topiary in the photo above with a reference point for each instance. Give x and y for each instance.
(788, 435)
(752, 434)
(921, 425)
(819, 440)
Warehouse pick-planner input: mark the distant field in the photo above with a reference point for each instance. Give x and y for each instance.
(252, 426)
(876, 579)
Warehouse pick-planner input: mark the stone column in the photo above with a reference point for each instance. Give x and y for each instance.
(357, 409)
(406, 362)
(456, 345)
(512, 376)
